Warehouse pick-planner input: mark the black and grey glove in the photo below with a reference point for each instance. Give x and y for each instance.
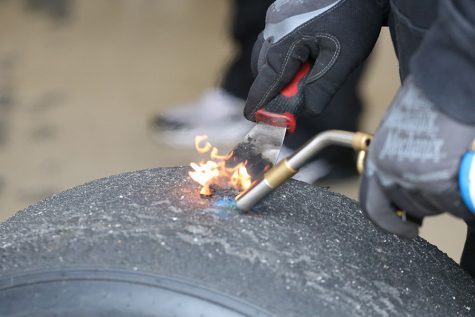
(337, 35)
(413, 164)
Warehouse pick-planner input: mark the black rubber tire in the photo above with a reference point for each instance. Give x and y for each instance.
(145, 244)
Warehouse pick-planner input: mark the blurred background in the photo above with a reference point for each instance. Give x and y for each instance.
(81, 79)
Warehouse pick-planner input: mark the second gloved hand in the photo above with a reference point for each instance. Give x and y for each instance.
(413, 164)
(337, 35)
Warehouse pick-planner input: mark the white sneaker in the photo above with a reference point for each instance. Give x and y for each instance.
(217, 114)
(311, 172)
(214, 105)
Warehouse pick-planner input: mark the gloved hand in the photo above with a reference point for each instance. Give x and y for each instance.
(337, 35)
(413, 164)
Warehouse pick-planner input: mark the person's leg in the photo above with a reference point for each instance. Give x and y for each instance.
(247, 22)
(218, 113)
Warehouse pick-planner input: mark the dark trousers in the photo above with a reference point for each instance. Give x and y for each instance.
(248, 20)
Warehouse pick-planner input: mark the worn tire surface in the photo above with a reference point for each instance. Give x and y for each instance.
(145, 244)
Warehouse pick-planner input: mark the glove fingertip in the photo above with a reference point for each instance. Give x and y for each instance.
(380, 211)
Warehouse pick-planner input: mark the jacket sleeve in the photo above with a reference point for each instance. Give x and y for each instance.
(444, 65)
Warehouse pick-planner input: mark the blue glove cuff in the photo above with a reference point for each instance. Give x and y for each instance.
(467, 180)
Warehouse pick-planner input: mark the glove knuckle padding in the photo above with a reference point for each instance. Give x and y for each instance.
(337, 34)
(416, 155)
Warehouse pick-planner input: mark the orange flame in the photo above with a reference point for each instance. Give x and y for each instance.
(214, 171)
(199, 140)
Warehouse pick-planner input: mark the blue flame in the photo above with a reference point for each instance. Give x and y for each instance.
(226, 202)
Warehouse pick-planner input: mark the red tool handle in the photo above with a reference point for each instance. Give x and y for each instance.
(293, 88)
(280, 110)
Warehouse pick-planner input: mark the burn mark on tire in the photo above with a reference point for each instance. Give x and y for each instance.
(248, 152)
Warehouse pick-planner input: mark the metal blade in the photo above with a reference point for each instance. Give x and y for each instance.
(260, 148)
